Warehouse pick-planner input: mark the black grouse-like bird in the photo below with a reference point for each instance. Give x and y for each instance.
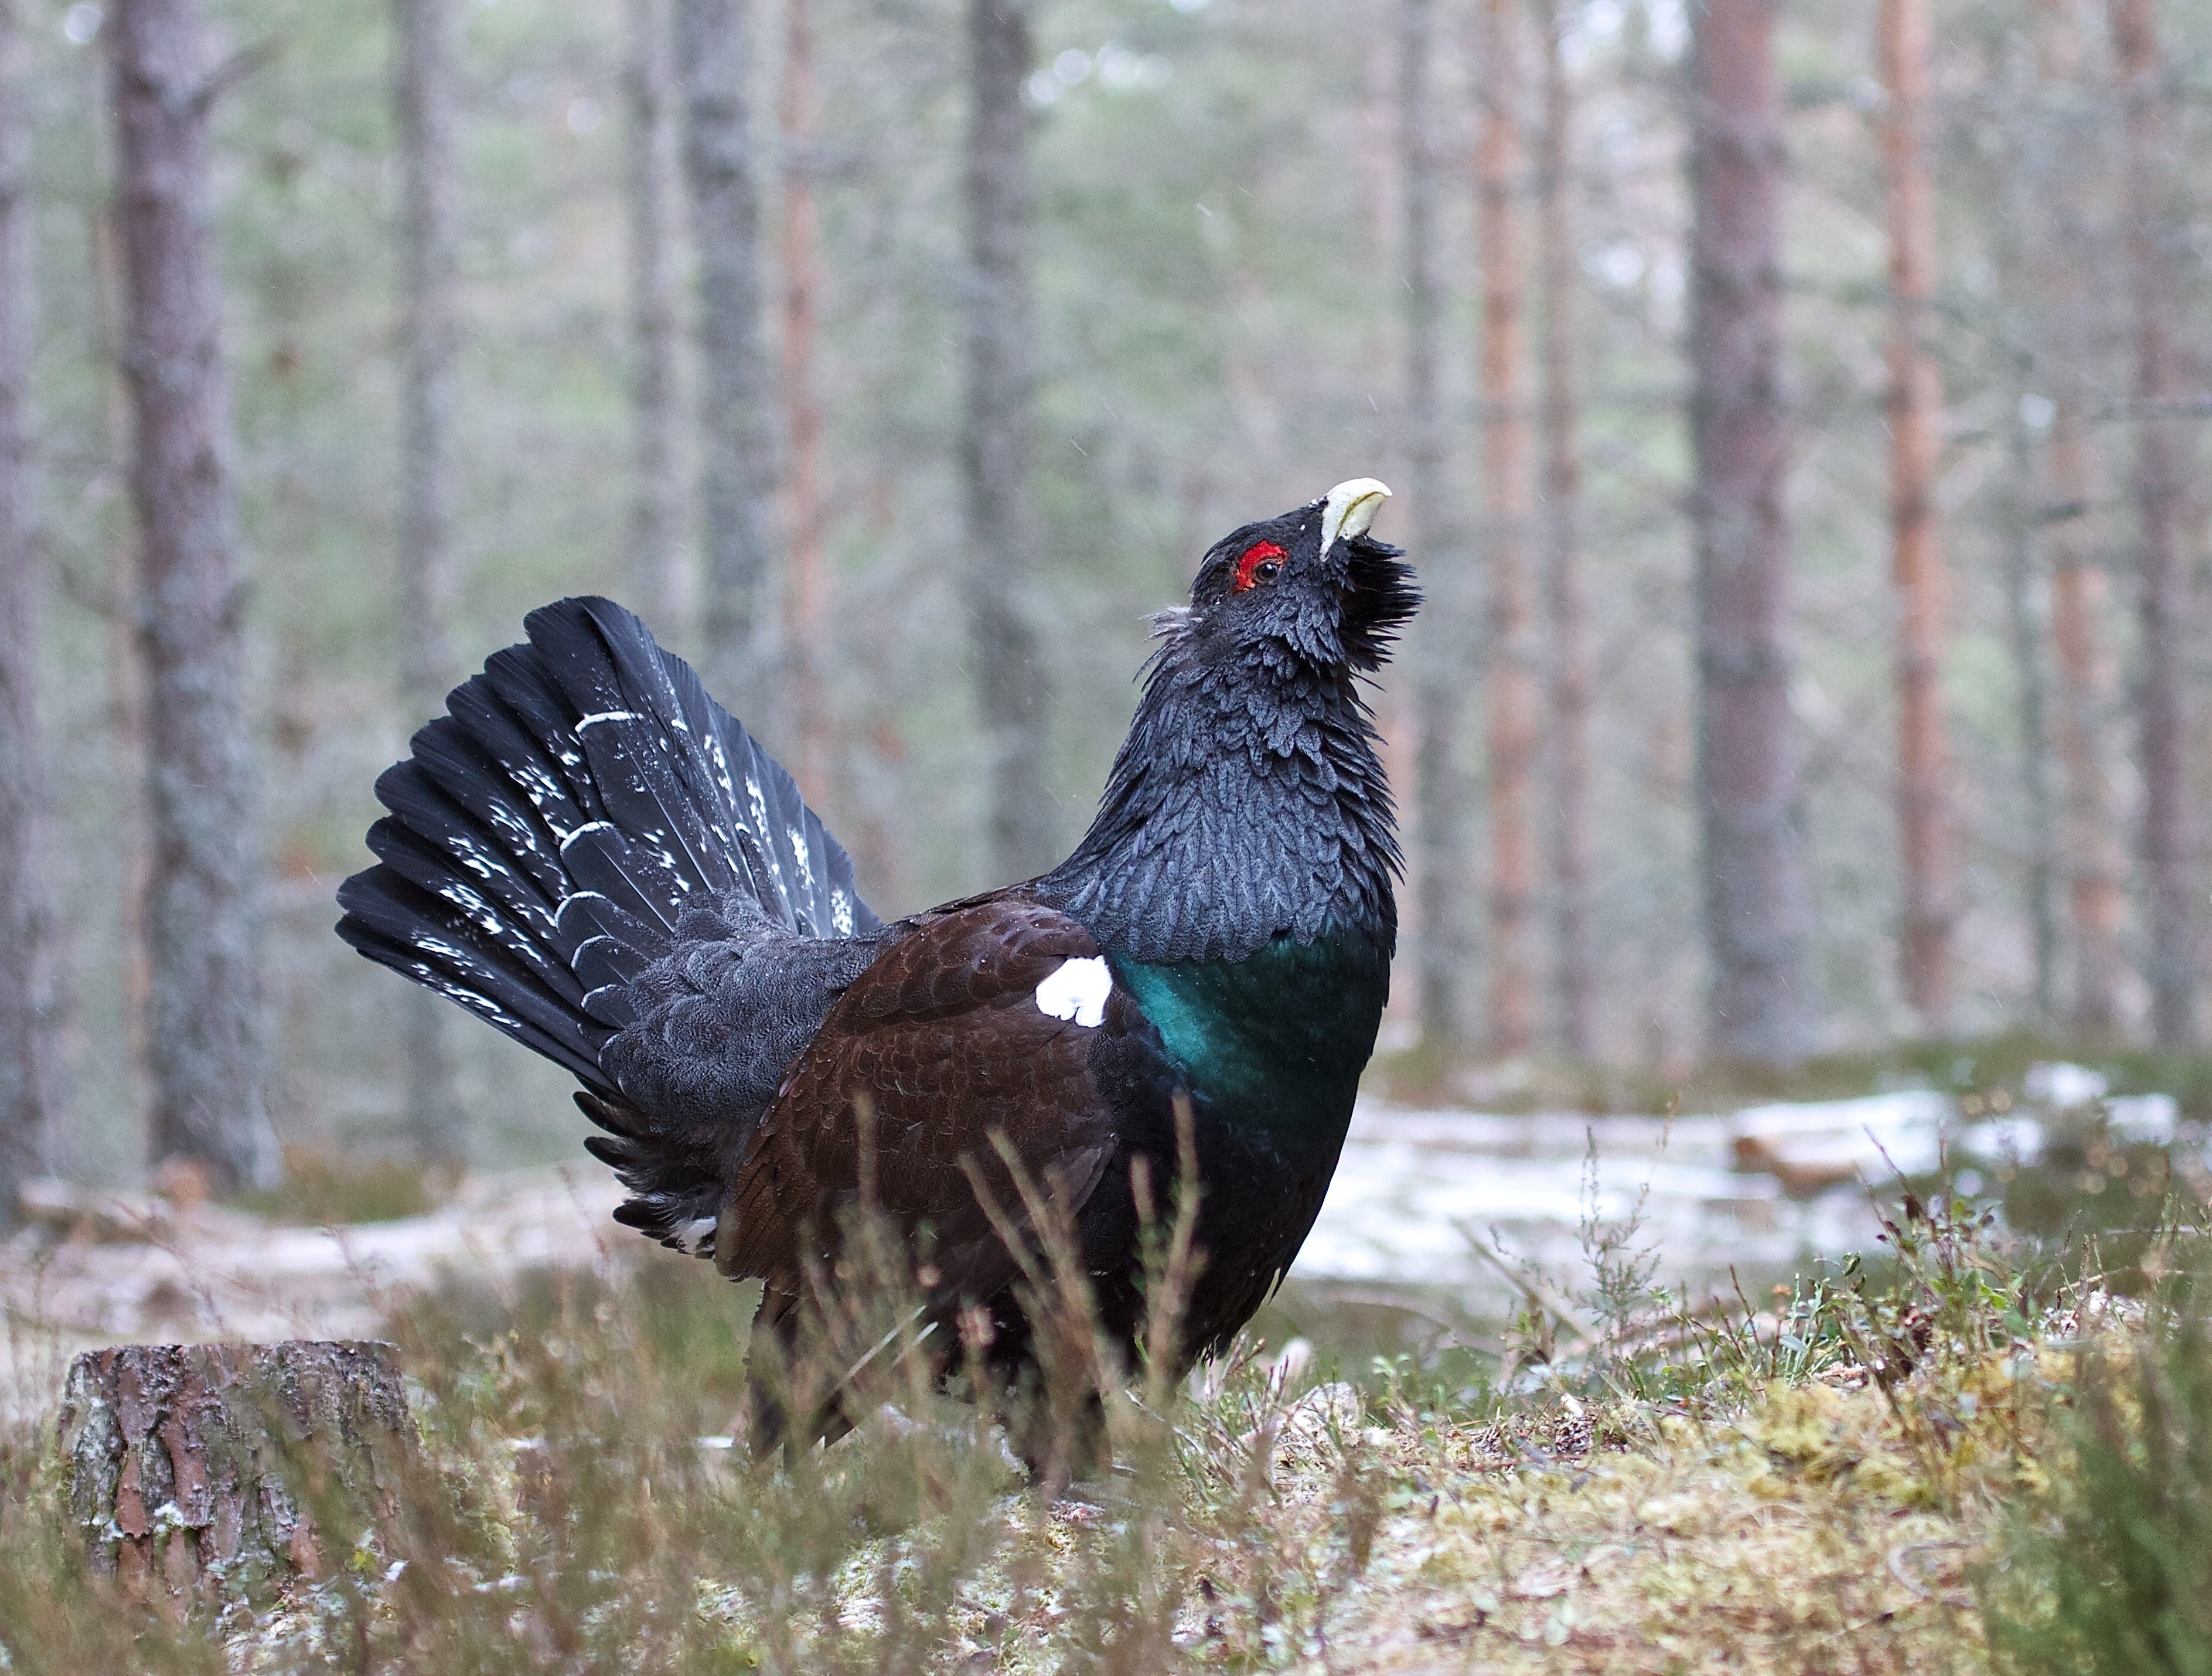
(591, 855)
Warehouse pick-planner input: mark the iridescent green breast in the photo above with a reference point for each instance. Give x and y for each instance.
(1277, 1040)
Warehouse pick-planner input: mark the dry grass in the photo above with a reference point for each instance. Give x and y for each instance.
(1822, 1487)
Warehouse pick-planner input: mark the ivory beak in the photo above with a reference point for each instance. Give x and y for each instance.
(1350, 507)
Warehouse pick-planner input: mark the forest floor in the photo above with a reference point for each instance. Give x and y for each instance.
(1797, 1529)
(1856, 1480)
(1895, 1465)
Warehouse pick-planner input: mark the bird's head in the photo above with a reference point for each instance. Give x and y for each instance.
(1248, 802)
(1311, 588)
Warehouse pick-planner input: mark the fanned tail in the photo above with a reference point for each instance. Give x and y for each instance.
(545, 836)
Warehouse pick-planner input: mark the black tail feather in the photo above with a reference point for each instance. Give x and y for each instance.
(396, 922)
(549, 832)
(489, 914)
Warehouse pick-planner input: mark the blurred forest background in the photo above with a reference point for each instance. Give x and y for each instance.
(895, 357)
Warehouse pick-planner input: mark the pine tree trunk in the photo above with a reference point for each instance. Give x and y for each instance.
(2091, 857)
(1509, 483)
(199, 1470)
(2026, 244)
(205, 1027)
(428, 44)
(2089, 680)
(1758, 899)
(995, 452)
(2163, 581)
(741, 604)
(806, 521)
(656, 521)
(2027, 629)
(24, 1022)
(1577, 978)
(1437, 667)
(1916, 411)
(130, 834)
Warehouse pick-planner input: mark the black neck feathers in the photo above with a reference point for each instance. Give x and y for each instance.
(1246, 803)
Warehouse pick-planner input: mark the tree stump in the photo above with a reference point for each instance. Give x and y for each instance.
(206, 1468)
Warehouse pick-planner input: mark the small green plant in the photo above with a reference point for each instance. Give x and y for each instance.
(2110, 1569)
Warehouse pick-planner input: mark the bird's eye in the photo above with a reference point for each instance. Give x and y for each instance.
(1263, 561)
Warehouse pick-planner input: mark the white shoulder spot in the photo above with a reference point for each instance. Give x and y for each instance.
(1078, 990)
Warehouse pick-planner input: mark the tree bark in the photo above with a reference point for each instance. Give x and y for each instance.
(25, 1021)
(806, 514)
(740, 618)
(130, 834)
(1509, 484)
(656, 521)
(2089, 680)
(2091, 857)
(2162, 582)
(1757, 900)
(2027, 629)
(2025, 247)
(1916, 411)
(995, 451)
(205, 1027)
(1437, 659)
(427, 39)
(201, 1469)
(1576, 977)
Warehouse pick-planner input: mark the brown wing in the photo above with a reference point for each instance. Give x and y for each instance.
(942, 1043)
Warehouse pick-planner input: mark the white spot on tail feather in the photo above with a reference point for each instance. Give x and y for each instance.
(805, 861)
(761, 831)
(605, 715)
(1077, 990)
(588, 826)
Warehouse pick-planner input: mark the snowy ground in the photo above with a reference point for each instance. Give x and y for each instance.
(1424, 1198)
(1433, 1197)
(1421, 1197)
(135, 1269)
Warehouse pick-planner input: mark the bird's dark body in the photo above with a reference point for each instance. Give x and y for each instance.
(591, 855)
(1271, 1048)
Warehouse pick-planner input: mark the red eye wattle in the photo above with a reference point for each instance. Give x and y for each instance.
(1261, 562)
